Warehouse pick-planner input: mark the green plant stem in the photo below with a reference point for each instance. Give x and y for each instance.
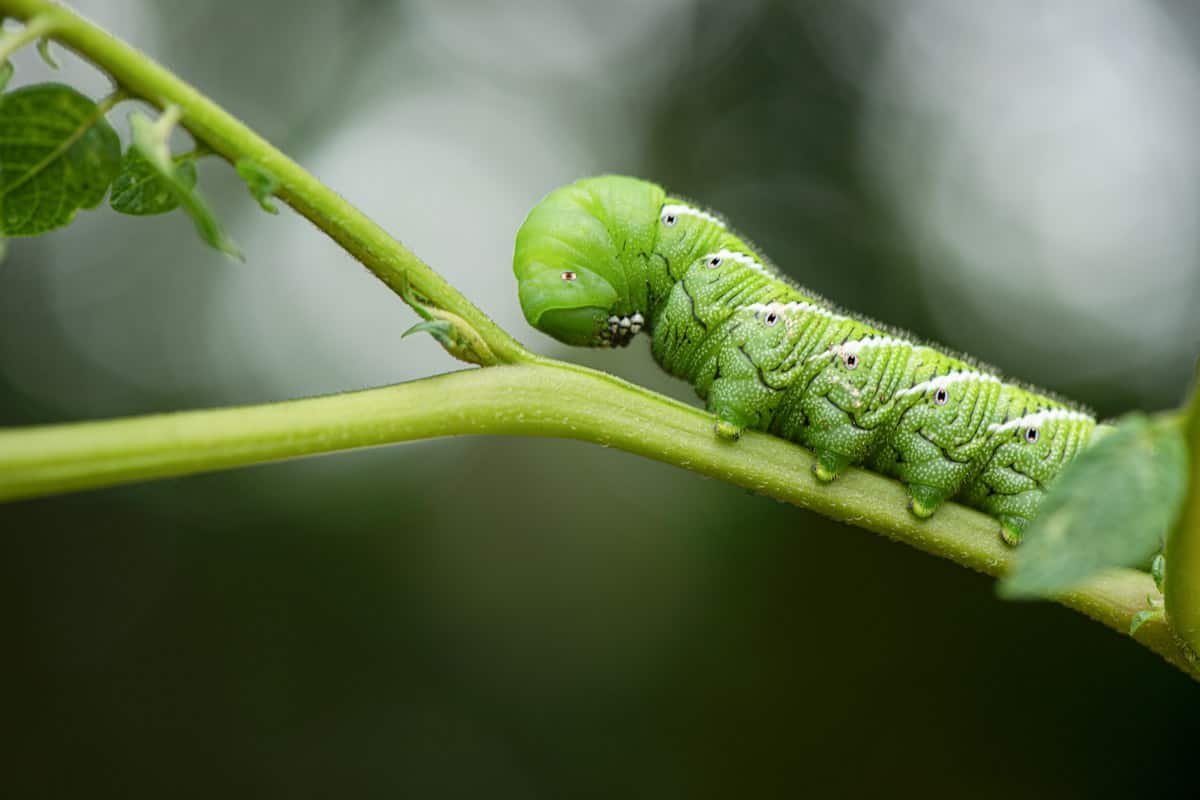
(530, 400)
(1182, 552)
(225, 135)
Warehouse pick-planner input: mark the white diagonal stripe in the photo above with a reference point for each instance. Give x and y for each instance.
(794, 306)
(740, 258)
(943, 381)
(855, 345)
(680, 209)
(1039, 418)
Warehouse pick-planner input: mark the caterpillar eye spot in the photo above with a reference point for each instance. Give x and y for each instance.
(1031, 435)
(669, 219)
(569, 276)
(851, 361)
(714, 262)
(941, 397)
(771, 319)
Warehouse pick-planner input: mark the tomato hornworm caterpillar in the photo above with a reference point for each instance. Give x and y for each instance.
(605, 258)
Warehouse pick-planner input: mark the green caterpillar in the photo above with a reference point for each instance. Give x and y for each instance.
(605, 258)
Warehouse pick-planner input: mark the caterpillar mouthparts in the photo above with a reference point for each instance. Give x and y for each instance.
(621, 330)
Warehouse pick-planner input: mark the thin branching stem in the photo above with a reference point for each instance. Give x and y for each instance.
(228, 137)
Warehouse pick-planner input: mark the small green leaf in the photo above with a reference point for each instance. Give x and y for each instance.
(449, 329)
(150, 140)
(57, 155)
(141, 189)
(261, 182)
(6, 73)
(1111, 507)
(439, 329)
(43, 48)
(3, 249)
(1142, 617)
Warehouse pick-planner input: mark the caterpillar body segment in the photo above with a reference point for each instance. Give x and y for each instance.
(606, 258)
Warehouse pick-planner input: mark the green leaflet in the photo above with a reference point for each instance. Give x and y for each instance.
(57, 155)
(43, 48)
(451, 331)
(150, 140)
(1110, 507)
(6, 73)
(1142, 617)
(261, 182)
(141, 189)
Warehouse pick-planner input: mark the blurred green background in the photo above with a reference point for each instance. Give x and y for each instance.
(526, 618)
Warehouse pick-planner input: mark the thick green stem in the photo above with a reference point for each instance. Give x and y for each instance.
(225, 135)
(1183, 544)
(530, 400)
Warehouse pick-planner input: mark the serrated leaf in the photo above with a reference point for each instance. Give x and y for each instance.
(57, 155)
(1111, 507)
(6, 73)
(261, 182)
(150, 140)
(141, 189)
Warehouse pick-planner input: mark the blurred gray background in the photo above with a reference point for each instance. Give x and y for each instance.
(528, 618)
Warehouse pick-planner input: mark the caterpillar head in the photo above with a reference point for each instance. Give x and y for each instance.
(581, 257)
